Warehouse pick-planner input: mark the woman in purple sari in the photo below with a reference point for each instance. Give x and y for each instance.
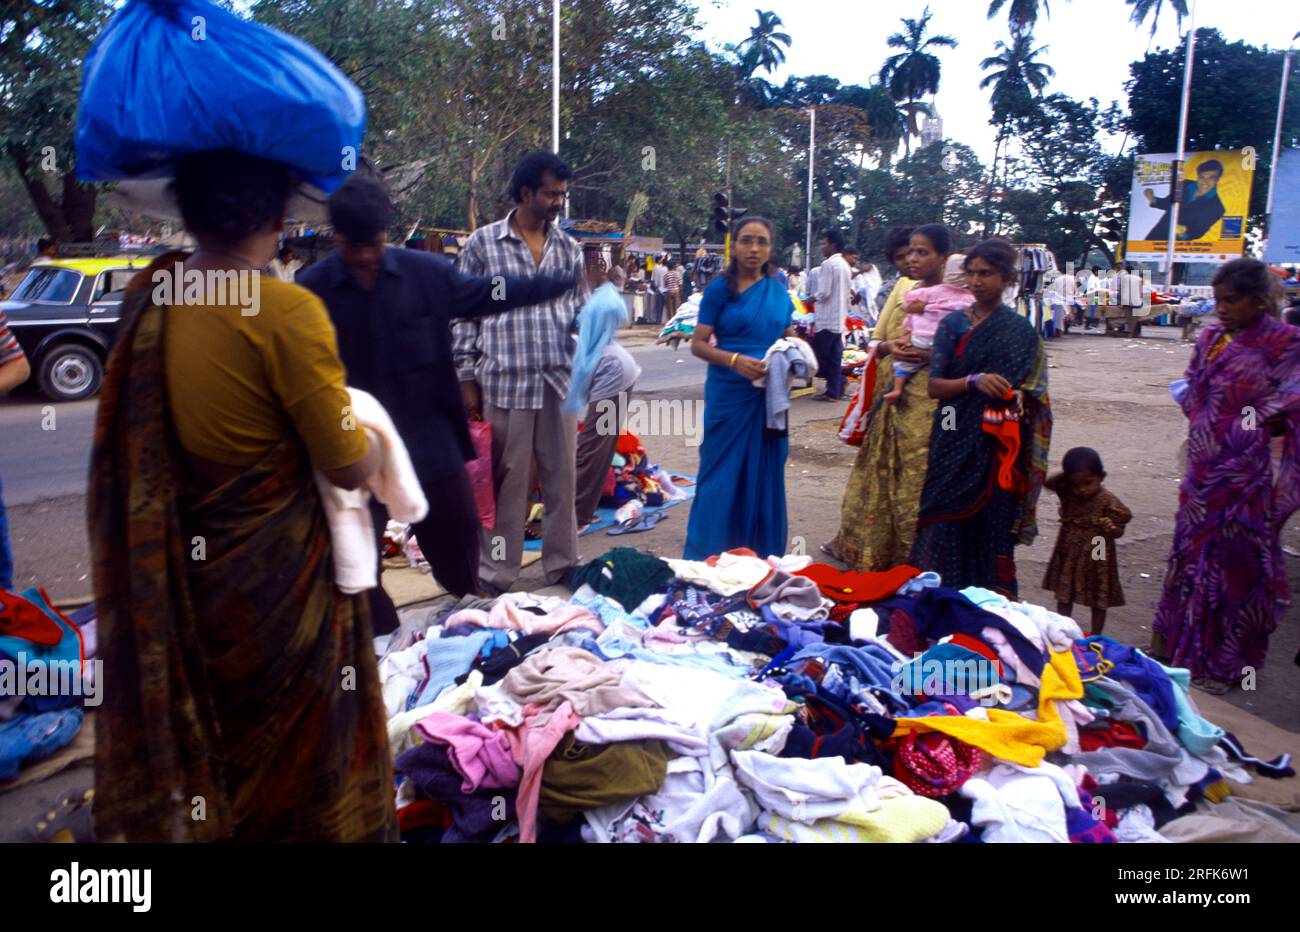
(1226, 583)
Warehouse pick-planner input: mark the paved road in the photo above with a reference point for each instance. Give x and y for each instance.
(44, 448)
(38, 463)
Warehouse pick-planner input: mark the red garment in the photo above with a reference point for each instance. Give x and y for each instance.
(21, 619)
(1004, 427)
(978, 647)
(629, 444)
(850, 586)
(423, 813)
(1114, 735)
(903, 634)
(1089, 786)
(842, 611)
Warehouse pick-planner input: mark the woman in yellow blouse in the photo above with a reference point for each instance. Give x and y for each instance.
(244, 701)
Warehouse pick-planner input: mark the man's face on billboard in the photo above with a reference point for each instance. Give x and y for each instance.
(1206, 180)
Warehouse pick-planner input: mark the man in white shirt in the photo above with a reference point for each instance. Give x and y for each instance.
(1095, 290)
(834, 287)
(866, 285)
(657, 283)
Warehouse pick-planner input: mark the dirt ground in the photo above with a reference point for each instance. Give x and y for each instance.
(1110, 393)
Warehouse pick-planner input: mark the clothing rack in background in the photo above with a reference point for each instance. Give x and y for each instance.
(1033, 262)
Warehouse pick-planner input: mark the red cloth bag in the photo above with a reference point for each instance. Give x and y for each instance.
(480, 472)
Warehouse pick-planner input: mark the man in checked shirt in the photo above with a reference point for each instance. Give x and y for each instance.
(514, 371)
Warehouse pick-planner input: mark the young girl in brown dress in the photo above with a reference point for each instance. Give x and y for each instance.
(1083, 568)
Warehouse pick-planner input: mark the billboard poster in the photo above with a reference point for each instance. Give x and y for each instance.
(1284, 226)
(1215, 199)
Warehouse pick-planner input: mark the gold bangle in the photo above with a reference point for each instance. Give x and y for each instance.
(732, 363)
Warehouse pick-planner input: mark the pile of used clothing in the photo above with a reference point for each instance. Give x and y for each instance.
(46, 679)
(743, 699)
(633, 476)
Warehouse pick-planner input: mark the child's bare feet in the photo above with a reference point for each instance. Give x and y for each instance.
(893, 396)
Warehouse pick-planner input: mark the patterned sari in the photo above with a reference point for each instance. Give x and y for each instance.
(243, 700)
(878, 516)
(969, 522)
(1226, 582)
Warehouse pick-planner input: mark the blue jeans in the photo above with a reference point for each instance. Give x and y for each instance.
(6, 554)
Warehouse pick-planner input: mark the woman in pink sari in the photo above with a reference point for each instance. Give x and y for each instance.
(1226, 583)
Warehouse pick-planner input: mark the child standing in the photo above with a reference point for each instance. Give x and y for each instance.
(1083, 568)
(927, 305)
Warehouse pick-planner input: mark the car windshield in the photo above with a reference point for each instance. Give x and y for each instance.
(57, 286)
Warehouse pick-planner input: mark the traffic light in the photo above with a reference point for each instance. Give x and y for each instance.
(724, 215)
(720, 213)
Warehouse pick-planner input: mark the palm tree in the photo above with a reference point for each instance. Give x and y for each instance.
(763, 49)
(913, 72)
(1022, 14)
(1018, 75)
(1017, 78)
(1144, 8)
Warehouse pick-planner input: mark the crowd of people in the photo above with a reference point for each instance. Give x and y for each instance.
(227, 445)
(233, 415)
(956, 437)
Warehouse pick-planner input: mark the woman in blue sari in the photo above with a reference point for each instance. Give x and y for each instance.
(989, 443)
(740, 497)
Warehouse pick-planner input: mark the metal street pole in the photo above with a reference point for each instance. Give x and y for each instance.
(555, 84)
(555, 76)
(726, 237)
(1277, 133)
(1176, 190)
(812, 138)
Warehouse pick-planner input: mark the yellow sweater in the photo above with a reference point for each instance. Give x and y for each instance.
(1010, 736)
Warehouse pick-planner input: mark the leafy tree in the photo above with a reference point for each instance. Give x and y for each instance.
(1233, 104)
(42, 44)
(1016, 78)
(942, 183)
(914, 72)
(1064, 187)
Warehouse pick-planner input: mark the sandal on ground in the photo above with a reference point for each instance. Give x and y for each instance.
(643, 523)
(1208, 684)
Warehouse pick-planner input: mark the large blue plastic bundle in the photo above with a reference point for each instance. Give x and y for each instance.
(169, 77)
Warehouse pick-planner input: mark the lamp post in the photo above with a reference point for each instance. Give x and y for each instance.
(1176, 189)
(812, 138)
(1277, 132)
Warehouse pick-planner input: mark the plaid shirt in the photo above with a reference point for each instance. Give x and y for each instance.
(9, 348)
(515, 355)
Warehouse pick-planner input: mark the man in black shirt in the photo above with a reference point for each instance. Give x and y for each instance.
(1199, 209)
(392, 309)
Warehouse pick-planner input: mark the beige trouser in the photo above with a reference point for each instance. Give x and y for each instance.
(547, 435)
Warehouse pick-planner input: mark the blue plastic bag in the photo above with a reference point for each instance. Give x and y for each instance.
(170, 77)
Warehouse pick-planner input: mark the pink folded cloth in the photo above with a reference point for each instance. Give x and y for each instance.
(508, 616)
(481, 755)
(532, 743)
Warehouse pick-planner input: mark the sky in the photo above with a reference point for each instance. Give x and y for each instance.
(1090, 43)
